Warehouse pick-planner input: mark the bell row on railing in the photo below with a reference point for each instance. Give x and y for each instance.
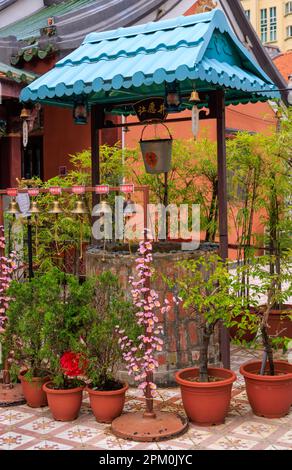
(80, 207)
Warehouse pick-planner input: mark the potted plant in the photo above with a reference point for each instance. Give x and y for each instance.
(269, 382)
(24, 333)
(276, 200)
(100, 345)
(67, 365)
(210, 291)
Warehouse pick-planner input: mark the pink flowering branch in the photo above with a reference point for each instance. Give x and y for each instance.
(141, 359)
(7, 267)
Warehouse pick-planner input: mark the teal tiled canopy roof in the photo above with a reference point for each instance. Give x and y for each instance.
(198, 51)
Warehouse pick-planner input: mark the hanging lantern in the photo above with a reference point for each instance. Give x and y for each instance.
(13, 208)
(80, 208)
(157, 153)
(56, 209)
(80, 111)
(172, 97)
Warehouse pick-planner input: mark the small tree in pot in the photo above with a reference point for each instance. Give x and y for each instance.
(269, 382)
(211, 292)
(99, 343)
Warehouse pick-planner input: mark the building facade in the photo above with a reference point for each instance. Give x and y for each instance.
(272, 20)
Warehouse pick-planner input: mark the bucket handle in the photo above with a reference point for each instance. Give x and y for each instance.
(170, 136)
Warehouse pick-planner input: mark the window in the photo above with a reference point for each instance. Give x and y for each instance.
(289, 32)
(288, 8)
(264, 25)
(247, 13)
(273, 24)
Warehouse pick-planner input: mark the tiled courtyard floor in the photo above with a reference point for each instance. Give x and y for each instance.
(24, 428)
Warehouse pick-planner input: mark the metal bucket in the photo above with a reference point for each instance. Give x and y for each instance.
(156, 154)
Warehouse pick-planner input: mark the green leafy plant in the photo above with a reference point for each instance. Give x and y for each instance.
(99, 344)
(63, 324)
(23, 338)
(58, 237)
(209, 291)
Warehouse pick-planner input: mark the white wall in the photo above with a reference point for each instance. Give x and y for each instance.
(19, 10)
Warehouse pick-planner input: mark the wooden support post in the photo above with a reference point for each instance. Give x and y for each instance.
(97, 123)
(222, 203)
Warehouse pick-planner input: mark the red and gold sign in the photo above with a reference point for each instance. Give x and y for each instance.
(33, 192)
(127, 188)
(55, 190)
(78, 189)
(102, 189)
(12, 192)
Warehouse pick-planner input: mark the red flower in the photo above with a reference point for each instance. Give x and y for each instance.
(73, 364)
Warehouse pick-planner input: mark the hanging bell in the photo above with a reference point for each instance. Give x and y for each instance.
(80, 208)
(25, 113)
(56, 209)
(194, 98)
(34, 208)
(13, 208)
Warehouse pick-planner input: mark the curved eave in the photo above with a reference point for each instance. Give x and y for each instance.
(248, 84)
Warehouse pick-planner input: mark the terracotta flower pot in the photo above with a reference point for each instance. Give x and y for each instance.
(206, 403)
(64, 404)
(246, 335)
(279, 322)
(107, 405)
(269, 396)
(33, 390)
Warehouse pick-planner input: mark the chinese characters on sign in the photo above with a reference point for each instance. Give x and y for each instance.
(151, 109)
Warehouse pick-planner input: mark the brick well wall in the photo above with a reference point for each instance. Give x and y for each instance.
(181, 348)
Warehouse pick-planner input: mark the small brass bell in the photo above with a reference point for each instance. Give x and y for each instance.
(25, 113)
(13, 207)
(56, 209)
(34, 208)
(194, 98)
(80, 208)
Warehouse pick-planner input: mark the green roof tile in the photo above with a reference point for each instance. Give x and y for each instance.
(30, 26)
(18, 75)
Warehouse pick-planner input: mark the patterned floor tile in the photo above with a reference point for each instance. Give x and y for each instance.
(110, 442)
(287, 438)
(12, 416)
(42, 425)
(255, 429)
(77, 433)
(232, 443)
(49, 445)
(134, 405)
(13, 440)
